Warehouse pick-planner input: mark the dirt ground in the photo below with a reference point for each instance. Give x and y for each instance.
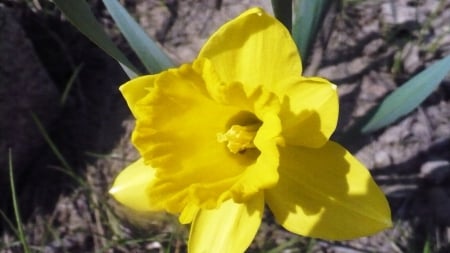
(367, 48)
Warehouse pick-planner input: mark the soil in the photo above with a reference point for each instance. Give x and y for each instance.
(367, 48)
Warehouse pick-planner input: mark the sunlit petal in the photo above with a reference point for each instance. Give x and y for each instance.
(136, 89)
(254, 49)
(228, 229)
(327, 193)
(131, 185)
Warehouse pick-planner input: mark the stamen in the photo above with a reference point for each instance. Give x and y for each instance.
(239, 138)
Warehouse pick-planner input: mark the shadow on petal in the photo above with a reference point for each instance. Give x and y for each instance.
(327, 193)
(309, 112)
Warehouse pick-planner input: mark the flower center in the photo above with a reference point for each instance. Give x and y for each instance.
(239, 138)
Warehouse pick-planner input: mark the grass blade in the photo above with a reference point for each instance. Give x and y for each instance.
(67, 169)
(80, 15)
(69, 84)
(427, 246)
(9, 223)
(150, 54)
(21, 234)
(406, 98)
(308, 17)
(50, 142)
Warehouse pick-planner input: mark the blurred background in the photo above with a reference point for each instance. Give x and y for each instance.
(65, 129)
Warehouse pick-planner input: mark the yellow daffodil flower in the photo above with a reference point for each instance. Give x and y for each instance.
(240, 128)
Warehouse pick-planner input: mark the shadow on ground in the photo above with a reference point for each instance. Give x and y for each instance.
(87, 126)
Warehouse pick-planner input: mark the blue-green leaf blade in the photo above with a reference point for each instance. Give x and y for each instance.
(148, 51)
(80, 15)
(308, 16)
(129, 72)
(283, 12)
(406, 98)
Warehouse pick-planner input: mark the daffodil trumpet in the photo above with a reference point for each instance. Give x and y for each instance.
(239, 128)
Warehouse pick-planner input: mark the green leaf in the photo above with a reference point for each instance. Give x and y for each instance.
(80, 15)
(308, 17)
(151, 55)
(283, 12)
(406, 98)
(130, 73)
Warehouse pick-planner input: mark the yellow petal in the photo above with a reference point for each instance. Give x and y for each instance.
(229, 229)
(327, 193)
(309, 111)
(254, 49)
(188, 214)
(136, 89)
(176, 133)
(131, 185)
